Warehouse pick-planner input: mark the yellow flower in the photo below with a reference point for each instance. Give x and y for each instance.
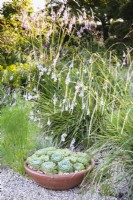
(12, 68)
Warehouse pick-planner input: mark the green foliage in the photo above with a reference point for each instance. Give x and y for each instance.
(17, 132)
(13, 38)
(126, 11)
(116, 144)
(119, 29)
(10, 9)
(106, 190)
(16, 75)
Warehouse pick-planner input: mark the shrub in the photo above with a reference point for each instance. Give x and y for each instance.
(74, 98)
(17, 134)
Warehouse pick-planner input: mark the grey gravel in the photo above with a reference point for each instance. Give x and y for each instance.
(16, 187)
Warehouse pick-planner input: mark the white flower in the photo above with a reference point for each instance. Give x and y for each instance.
(33, 105)
(31, 117)
(124, 55)
(88, 111)
(31, 112)
(81, 30)
(55, 99)
(81, 93)
(60, 10)
(84, 15)
(83, 106)
(68, 78)
(124, 62)
(118, 64)
(72, 144)
(49, 71)
(48, 122)
(35, 89)
(28, 96)
(85, 71)
(36, 96)
(90, 60)
(39, 66)
(102, 103)
(64, 101)
(54, 77)
(11, 78)
(80, 19)
(14, 95)
(66, 107)
(40, 74)
(71, 66)
(63, 137)
(66, 16)
(72, 105)
(79, 34)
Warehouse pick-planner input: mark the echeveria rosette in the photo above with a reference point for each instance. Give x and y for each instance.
(73, 159)
(83, 160)
(45, 151)
(66, 152)
(65, 166)
(49, 168)
(78, 166)
(34, 163)
(57, 157)
(44, 158)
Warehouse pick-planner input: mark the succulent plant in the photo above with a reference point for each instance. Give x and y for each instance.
(83, 160)
(35, 163)
(47, 150)
(66, 152)
(44, 158)
(58, 161)
(56, 157)
(49, 168)
(78, 166)
(73, 159)
(65, 166)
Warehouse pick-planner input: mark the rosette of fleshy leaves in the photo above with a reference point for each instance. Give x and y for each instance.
(84, 159)
(49, 168)
(34, 162)
(65, 166)
(78, 166)
(48, 151)
(58, 161)
(44, 158)
(57, 157)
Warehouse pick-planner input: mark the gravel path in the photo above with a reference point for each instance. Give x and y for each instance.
(17, 187)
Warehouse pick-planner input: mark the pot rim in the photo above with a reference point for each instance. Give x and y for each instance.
(91, 166)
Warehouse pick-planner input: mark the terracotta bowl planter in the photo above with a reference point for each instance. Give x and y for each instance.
(58, 181)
